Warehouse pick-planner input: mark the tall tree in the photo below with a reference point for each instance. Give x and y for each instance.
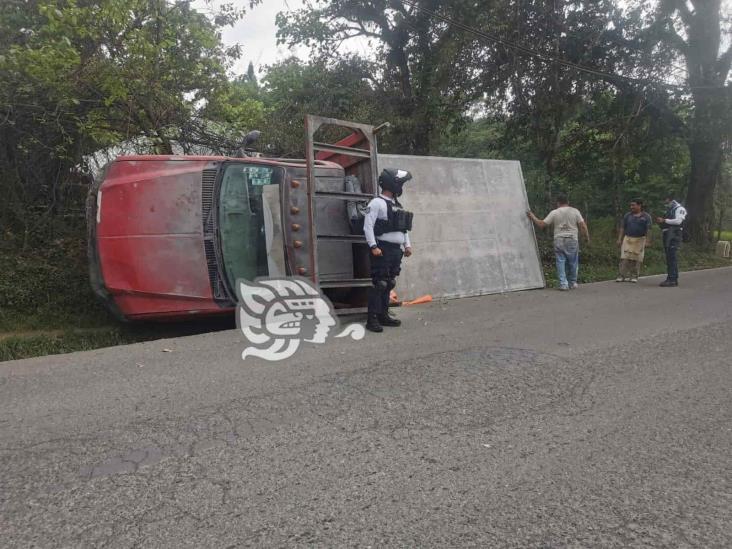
(429, 72)
(694, 29)
(542, 94)
(77, 76)
(338, 89)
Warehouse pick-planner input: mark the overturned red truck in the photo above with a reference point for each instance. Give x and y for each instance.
(170, 235)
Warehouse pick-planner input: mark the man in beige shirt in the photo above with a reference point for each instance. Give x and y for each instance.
(567, 223)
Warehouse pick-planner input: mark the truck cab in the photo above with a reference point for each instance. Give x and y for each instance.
(169, 236)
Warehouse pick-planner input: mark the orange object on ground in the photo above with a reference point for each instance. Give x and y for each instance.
(419, 300)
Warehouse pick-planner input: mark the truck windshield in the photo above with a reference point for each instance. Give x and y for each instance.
(242, 214)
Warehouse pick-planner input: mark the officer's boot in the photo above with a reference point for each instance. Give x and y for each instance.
(372, 323)
(385, 319)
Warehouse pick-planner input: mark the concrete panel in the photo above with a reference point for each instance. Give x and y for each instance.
(471, 235)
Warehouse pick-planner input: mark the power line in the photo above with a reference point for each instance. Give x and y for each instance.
(544, 57)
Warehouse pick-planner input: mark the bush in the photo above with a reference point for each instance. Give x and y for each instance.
(47, 286)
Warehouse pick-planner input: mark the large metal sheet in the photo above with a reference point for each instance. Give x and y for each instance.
(470, 234)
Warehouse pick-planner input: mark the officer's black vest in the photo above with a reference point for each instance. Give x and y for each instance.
(397, 219)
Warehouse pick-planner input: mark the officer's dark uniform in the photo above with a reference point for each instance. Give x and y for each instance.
(672, 236)
(386, 227)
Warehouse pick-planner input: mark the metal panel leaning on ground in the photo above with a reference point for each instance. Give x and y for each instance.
(470, 234)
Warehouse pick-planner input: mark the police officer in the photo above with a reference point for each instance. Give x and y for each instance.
(386, 226)
(671, 227)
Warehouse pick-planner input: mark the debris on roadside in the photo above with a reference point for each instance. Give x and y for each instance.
(419, 300)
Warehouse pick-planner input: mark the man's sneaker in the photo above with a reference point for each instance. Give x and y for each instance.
(634, 280)
(668, 284)
(620, 279)
(573, 286)
(563, 288)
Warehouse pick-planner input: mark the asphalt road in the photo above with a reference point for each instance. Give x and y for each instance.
(594, 418)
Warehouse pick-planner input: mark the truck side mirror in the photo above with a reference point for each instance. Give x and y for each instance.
(245, 149)
(251, 138)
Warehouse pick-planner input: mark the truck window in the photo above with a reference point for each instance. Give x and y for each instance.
(241, 220)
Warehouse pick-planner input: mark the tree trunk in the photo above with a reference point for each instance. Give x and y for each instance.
(707, 75)
(705, 162)
(720, 222)
(705, 148)
(422, 139)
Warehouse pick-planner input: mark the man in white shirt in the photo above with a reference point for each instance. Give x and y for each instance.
(386, 227)
(671, 227)
(567, 222)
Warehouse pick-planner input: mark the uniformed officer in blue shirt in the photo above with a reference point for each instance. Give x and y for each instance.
(386, 227)
(672, 230)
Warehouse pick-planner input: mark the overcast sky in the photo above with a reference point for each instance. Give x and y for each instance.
(257, 33)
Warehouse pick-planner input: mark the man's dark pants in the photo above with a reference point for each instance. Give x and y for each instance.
(384, 270)
(671, 243)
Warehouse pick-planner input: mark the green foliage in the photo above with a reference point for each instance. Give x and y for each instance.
(339, 89)
(614, 151)
(291, 89)
(61, 341)
(602, 162)
(428, 72)
(602, 133)
(79, 76)
(48, 286)
(480, 138)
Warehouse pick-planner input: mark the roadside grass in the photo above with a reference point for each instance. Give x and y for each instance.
(47, 306)
(48, 341)
(48, 288)
(40, 343)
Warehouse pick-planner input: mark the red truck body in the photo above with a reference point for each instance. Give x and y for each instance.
(149, 237)
(169, 236)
